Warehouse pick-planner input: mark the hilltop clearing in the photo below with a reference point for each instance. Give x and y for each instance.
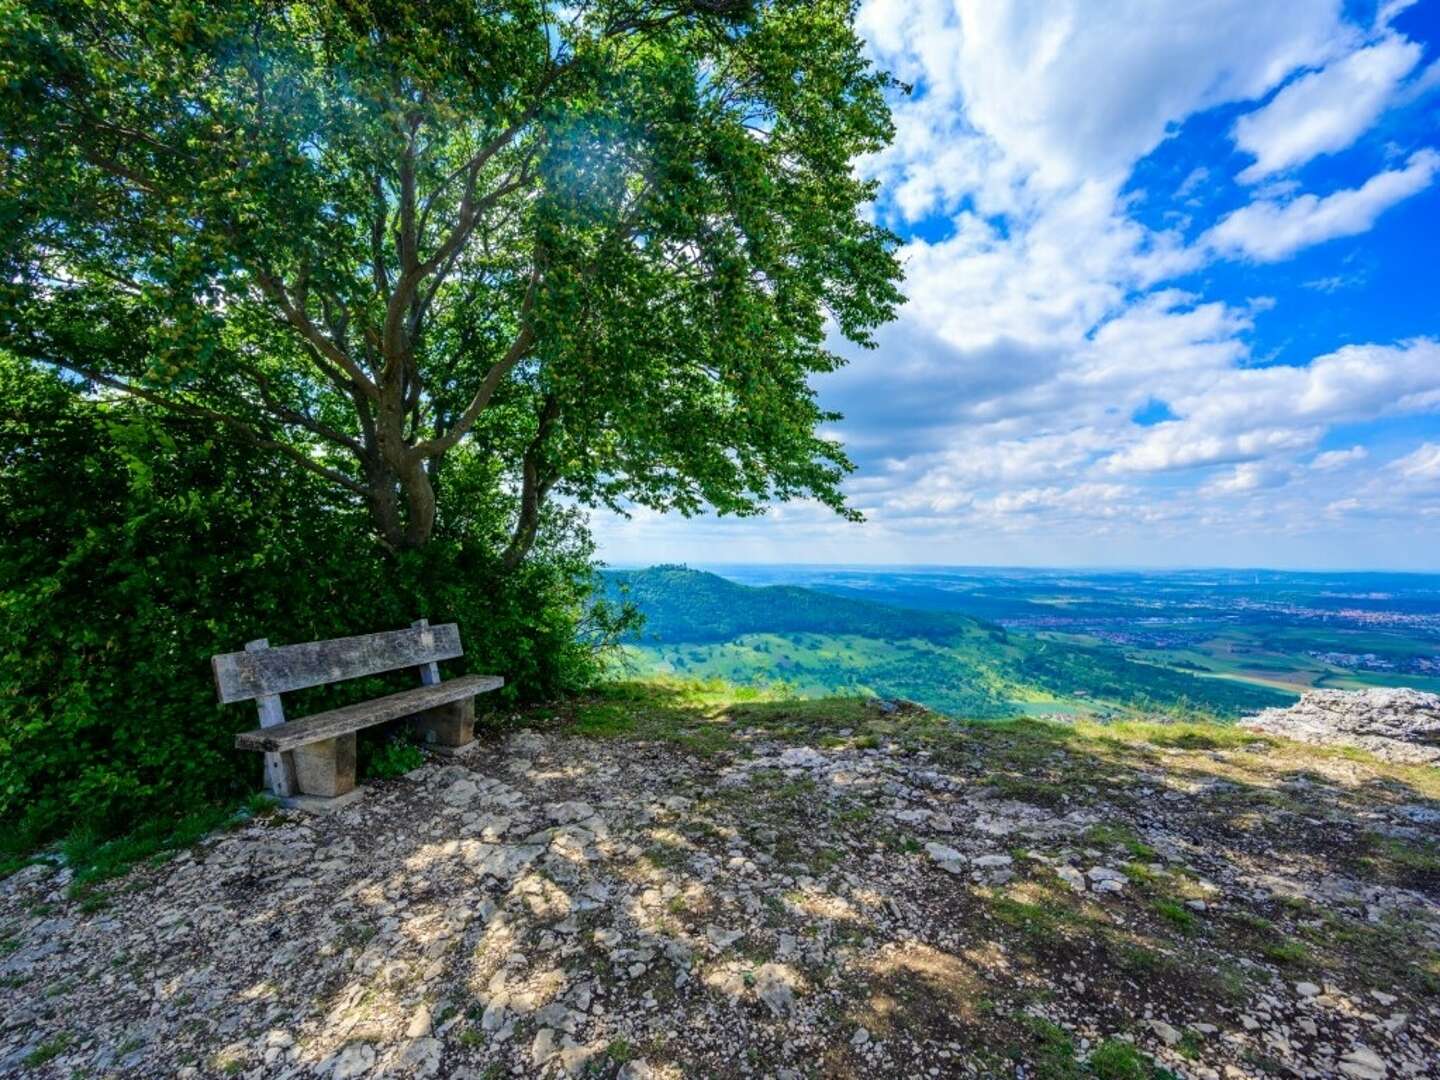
(672, 880)
(701, 625)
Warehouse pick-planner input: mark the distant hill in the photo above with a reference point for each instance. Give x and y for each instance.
(697, 623)
(681, 604)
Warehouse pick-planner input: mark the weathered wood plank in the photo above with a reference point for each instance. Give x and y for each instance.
(279, 769)
(429, 673)
(365, 714)
(240, 676)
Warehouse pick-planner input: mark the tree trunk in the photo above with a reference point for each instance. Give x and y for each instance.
(402, 505)
(527, 525)
(419, 505)
(533, 489)
(385, 505)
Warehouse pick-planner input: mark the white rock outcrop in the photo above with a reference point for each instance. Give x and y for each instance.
(1398, 725)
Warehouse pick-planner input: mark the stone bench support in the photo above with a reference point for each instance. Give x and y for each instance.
(450, 725)
(327, 767)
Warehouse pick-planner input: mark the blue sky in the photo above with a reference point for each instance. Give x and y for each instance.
(1173, 280)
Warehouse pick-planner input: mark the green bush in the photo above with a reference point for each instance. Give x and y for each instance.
(137, 545)
(389, 757)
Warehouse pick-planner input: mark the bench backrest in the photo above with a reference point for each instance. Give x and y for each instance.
(240, 676)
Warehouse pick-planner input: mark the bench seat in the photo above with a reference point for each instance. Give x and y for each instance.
(317, 755)
(351, 718)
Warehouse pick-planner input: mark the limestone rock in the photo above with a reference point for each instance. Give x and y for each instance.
(1400, 725)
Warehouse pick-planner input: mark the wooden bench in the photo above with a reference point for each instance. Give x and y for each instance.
(316, 754)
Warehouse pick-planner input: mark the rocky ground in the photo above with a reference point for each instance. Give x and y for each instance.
(1393, 724)
(652, 886)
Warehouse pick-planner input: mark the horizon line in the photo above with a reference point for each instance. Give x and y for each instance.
(1115, 568)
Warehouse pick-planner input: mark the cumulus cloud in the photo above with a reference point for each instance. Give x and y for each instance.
(1247, 414)
(1066, 94)
(1042, 321)
(1247, 477)
(1405, 490)
(1043, 309)
(1272, 229)
(1326, 110)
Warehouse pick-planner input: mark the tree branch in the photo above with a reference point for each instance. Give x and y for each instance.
(502, 367)
(297, 416)
(378, 272)
(297, 318)
(443, 272)
(533, 488)
(414, 271)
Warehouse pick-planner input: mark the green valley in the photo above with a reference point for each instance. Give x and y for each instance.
(814, 643)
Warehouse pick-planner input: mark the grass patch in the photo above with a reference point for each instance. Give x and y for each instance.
(666, 856)
(707, 716)
(1121, 836)
(621, 1051)
(1136, 958)
(49, 1050)
(95, 859)
(1286, 952)
(1140, 874)
(1049, 1050)
(1043, 926)
(1177, 915)
(1116, 1059)
(1396, 860)
(1029, 790)
(1185, 736)
(1190, 1046)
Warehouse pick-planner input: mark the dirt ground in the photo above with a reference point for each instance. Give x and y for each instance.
(652, 883)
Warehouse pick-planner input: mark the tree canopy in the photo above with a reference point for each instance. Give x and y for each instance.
(589, 249)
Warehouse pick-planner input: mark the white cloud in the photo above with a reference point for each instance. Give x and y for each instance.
(1017, 100)
(1421, 85)
(1186, 444)
(1247, 414)
(1405, 490)
(1422, 465)
(1270, 229)
(1192, 182)
(1387, 10)
(1089, 499)
(1331, 460)
(1041, 322)
(1326, 110)
(1247, 477)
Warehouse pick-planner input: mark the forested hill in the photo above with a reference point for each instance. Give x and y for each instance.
(699, 624)
(681, 604)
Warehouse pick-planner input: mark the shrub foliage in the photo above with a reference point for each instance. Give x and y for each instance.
(139, 544)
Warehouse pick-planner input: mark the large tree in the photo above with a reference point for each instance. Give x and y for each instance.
(597, 246)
